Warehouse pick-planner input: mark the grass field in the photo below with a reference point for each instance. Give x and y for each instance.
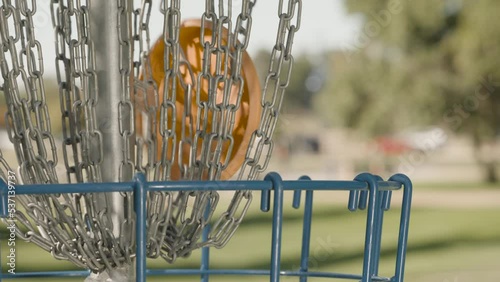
(445, 245)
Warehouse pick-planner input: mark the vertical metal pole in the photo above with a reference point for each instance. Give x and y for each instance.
(104, 33)
(306, 233)
(205, 251)
(379, 221)
(404, 224)
(277, 225)
(370, 224)
(140, 189)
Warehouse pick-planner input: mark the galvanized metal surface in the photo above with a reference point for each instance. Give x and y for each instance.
(104, 35)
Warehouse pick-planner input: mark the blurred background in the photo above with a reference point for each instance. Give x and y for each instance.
(381, 86)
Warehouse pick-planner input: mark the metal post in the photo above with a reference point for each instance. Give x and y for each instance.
(205, 251)
(306, 233)
(277, 225)
(140, 190)
(104, 33)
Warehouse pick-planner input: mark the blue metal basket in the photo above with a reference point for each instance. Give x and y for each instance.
(367, 191)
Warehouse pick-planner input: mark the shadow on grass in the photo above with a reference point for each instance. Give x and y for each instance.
(292, 262)
(294, 216)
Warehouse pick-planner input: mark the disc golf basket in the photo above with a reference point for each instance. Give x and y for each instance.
(152, 131)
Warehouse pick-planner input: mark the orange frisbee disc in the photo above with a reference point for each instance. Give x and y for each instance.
(247, 117)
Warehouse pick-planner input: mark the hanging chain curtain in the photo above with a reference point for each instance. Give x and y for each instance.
(181, 122)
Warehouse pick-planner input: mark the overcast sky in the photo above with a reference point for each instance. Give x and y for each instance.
(325, 25)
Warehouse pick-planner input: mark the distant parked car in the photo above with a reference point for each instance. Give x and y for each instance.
(423, 140)
(428, 139)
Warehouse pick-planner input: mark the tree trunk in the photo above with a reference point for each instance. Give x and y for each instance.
(491, 175)
(485, 159)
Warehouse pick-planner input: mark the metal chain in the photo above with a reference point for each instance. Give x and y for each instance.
(79, 98)
(28, 121)
(77, 79)
(27, 116)
(126, 126)
(70, 227)
(167, 233)
(222, 68)
(277, 79)
(145, 94)
(168, 108)
(75, 67)
(261, 144)
(196, 140)
(205, 143)
(125, 107)
(210, 140)
(146, 104)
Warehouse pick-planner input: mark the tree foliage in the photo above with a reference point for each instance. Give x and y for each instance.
(419, 63)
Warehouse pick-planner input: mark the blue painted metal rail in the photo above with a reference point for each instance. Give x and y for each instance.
(367, 191)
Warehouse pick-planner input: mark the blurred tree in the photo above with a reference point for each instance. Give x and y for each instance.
(420, 63)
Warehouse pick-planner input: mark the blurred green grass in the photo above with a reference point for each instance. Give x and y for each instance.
(452, 245)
